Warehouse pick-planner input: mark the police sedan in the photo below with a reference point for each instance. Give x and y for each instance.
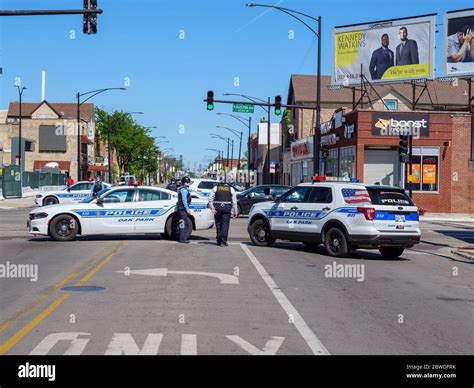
(75, 193)
(119, 210)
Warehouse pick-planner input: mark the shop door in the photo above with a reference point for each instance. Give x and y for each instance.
(381, 167)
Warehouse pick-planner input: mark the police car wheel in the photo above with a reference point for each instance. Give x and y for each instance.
(391, 252)
(172, 228)
(50, 201)
(336, 243)
(63, 228)
(260, 234)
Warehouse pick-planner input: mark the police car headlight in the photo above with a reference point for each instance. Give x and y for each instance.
(36, 216)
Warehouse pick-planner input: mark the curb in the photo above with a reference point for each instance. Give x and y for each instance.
(447, 219)
(465, 255)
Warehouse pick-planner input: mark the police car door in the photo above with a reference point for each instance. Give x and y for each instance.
(76, 193)
(156, 206)
(116, 213)
(290, 215)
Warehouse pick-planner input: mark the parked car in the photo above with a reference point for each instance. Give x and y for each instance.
(203, 186)
(340, 215)
(127, 180)
(257, 194)
(74, 193)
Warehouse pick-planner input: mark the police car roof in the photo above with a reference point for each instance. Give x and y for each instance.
(342, 183)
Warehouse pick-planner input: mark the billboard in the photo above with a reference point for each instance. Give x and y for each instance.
(458, 54)
(385, 51)
(274, 133)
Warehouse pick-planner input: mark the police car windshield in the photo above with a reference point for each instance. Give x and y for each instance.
(389, 197)
(90, 198)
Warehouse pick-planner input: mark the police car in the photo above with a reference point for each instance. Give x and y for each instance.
(119, 210)
(340, 215)
(75, 193)
(203, 186)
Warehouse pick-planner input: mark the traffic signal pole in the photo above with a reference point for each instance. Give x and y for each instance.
(410, 152)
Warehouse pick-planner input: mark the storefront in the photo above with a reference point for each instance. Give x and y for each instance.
(366, 145)
(301, 162)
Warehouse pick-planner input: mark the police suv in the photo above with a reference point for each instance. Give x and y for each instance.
(119, 210)
(340, 215)
(75, 193)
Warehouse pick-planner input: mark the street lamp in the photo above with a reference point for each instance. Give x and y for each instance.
(91, 94)
(239, 118)
(215, 136)
(20, 93)
(266, 174)
(317, 134)
(239, 135)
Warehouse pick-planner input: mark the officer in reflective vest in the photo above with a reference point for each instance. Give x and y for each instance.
(184, 200)
(223, 203)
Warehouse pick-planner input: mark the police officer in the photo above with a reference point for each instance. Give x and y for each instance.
(223, 203)
(97, 186)
(184, 200)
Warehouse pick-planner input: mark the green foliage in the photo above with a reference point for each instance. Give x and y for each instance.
(134, 147)
(287, 126)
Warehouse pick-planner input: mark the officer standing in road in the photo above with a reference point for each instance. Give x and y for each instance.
(223, 203)
(184, 200)
(97, 186)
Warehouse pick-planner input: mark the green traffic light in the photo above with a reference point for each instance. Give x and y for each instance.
(210, 106)
(277, 112)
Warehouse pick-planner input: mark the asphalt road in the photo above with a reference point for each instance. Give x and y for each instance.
(145, 295)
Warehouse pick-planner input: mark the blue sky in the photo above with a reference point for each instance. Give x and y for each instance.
(140, 40)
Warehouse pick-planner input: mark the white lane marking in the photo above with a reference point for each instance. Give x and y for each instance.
(308, 335)
(123, 343)
(188, 344)
(75, 349)
(270, 348)
(223, 278)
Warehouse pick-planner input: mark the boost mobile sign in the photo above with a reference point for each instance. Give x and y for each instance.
(386, 51)
(400, 124)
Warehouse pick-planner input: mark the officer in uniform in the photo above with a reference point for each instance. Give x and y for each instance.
(223, 203)
(184, 200)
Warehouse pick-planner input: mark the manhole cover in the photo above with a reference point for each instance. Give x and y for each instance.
(82, 288)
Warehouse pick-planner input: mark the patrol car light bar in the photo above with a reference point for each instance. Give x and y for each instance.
(323, 178)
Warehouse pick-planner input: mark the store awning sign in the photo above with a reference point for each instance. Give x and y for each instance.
(329, 139)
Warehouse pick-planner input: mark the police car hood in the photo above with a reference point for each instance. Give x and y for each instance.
(59, 207)
(264, 205)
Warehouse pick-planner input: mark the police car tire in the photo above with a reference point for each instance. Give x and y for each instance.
(50, 201)
(255, 228)
(336, 243)
(172, 231)
(66, 235)
(391, 252)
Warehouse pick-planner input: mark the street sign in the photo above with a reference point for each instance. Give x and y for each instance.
(242, 108)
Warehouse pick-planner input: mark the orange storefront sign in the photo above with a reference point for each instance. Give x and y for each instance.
(414, 177)
(429, 174)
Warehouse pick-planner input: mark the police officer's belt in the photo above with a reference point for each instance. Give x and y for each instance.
(222, 204)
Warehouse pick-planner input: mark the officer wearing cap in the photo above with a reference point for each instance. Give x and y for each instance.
(184, 200)
(223, 203)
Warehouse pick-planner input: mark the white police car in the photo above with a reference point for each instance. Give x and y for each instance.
(119, 210)
(202, 186)
(340, 215)
(75, 193)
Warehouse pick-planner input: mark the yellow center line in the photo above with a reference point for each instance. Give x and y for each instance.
(41, 297)
(18, 336)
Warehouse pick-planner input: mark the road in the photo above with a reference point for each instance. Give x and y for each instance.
(146, 295)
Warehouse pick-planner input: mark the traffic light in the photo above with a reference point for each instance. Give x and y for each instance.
(403, 149)
(210, 100)
(90, 19)
(278, 105)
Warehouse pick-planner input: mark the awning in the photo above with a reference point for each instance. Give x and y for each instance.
(86, 140)
(96, 168)
(62, 165)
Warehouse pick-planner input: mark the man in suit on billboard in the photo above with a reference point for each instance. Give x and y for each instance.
(407, 50)
(382, 59)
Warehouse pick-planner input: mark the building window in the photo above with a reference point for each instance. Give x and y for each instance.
(347, 162)
(424, 176)
(391, 105)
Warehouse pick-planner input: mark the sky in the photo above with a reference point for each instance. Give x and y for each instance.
(169, 53)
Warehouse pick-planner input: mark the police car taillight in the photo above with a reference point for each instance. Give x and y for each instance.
(369, 212)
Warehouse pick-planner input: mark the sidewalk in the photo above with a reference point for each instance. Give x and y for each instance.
(466, 252)
(453, 217)
(17, 203)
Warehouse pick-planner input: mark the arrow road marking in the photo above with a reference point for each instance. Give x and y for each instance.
(223, 278)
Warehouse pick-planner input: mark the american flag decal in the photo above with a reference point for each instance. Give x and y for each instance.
(356, 196)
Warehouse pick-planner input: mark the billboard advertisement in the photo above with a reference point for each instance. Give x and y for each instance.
(385, 51)
(458, 54)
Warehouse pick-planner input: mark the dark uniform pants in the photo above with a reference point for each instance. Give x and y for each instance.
(183, 224)
(222, 219)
